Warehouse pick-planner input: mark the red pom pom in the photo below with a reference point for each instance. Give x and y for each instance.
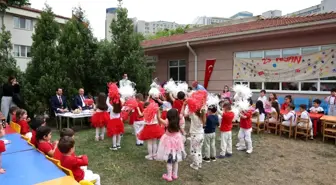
(197, 101)
(88, 102)
(113, 93)
(124, 115)
(192, 105)
(131, 103)
(150, 111)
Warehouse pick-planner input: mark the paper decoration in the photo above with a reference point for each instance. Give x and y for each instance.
(293, 68)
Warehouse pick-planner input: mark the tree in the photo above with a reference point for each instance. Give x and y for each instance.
(166, 32)
(128, 54)
(44, 73)
(77, 48)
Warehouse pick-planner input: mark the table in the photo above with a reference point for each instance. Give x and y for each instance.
(331, 130)
(28, 168)
(17, 144)
(61, 181)
(68, 115)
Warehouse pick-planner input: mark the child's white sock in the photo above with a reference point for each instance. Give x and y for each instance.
(114, 141)
(102, 133)
(175, 169)
(118, 140)
(97, 133)
(150, 148)
(154, 149)
(169, 170)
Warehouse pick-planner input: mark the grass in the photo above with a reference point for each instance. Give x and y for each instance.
(274, 160)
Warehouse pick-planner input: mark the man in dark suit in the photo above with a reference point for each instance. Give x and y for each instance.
(79, 100)
(58, 102)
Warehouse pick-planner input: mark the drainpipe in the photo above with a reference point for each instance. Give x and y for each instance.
(194, 53)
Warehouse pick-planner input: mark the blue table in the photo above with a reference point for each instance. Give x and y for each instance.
(17, 144)
(28, 168)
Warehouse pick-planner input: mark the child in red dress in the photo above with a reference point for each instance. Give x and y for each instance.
(288, 100)
(245, 131)
(115, 126)
(13, 111)
(36, 123)
(178, 104)
(2, 147)
(43, 137)
(22, 119)
(101, 117)
(138, 121)
(64, 132)
(152, 131)
(74, 163)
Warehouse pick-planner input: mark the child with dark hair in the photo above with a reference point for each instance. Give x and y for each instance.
(210, 134)
(43, 139)
(171, 147)
(260, 110)
(37, 122)
(13, 111)
(178, 104)
(74, 163)
(305, 115)
(290, 117)
(263, 97)
(115, 127)
(316, 107)
(225, 130)
(63, 133)
(22, 119)
(101, 117)
(138, 118)
(331, 100)
(288, 101)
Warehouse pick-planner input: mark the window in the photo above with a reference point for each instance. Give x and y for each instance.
(308, 86)
(309, 50)
(256, 85)
(290, 52)
(290, 86)
(272, 53)
(327, 47)
(257, 54)
(177, 70)
(23, 23)
(242, 55)
(21, 51)
(272, 86)
(324, 86)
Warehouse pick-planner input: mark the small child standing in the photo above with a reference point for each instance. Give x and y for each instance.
(210, 134)
(245, 131)
(22, 118)
(331, 100)
(74, 163)
(305, 115)
(2, 147)
(171, 147)
(43, 138)
(138, 121)
(178, 104)
(101, 117)
(226, 134)
(115, 126)
(316, 107)
(36, 123)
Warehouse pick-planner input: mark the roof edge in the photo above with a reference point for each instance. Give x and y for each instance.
(38, 11)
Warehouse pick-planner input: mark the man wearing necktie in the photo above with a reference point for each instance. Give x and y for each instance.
(58, 102)
(80, 100)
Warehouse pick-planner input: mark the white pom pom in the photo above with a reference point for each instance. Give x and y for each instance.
(171, 87)
(243, 105)
(242, 92)
(182, 86)
(212, 99)
(236, 112)
(154, 84)
(127, 91)
(154, 92)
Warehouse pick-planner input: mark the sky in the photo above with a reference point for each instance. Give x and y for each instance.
(179, 11)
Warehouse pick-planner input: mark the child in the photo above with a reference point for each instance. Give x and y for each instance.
(305, 115)
(210, 134)
(13, 111)
(2, 147)
(43, 137)
(151, 133)
(36, 123)
(331, 100)
(259, 109)
(288, 100)
(197, 120)
(263, 97)
(64, 132)
(272, 97)
(21, 118)
(115, 126)
(138, 121)
(225, 129)
(316, 107)
(74, 163)
(101, 117)
(245, 131)
(171, 147)
(178, 104)
(275, 112)
(290, 116)
(226, 92)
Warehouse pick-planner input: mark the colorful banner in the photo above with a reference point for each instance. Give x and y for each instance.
(209, 65)
(293, 68)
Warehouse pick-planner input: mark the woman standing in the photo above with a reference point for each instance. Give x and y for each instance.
(226, 92)
(10, 95)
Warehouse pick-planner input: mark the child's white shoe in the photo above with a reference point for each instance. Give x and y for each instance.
(193, 167)
(241, 148)
(149, 157)
(249, 151)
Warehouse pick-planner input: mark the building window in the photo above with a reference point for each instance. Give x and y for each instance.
(290, 52)
(22, 51)
(257, 54)
(23, 23)
(177, 70)
(272, 53)
(310, 50)
(256, 85)
(272, 85)
(242, 55)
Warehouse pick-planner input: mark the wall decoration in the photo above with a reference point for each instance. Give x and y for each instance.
(291, 68)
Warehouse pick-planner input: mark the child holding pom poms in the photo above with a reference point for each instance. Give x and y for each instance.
(152, 130)
(101, 117)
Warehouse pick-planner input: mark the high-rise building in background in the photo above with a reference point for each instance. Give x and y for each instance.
(272, 13)
(209, 20)
(148, 28)
(241, 15)
(324, 7)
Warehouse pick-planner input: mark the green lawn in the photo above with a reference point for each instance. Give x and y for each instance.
(275, 160)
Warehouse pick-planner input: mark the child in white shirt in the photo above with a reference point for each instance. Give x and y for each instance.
(305, 115)
(331, 100)
(259, 109)
(263, 97)
(316, 107)
(290, 116)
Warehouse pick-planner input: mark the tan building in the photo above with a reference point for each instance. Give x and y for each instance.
(183, 57)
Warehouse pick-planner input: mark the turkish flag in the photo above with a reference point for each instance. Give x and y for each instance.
(209, 66)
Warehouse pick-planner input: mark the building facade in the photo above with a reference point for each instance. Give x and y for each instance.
(209, 20)
(20, 21)
(184, 57)
(111, 13)
(241, 15)
(150, 28)
(324, 7)
(272, 13)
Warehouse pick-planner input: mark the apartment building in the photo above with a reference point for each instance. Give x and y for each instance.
(324, 7)
(20, 21)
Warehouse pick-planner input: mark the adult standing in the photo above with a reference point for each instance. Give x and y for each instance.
(197, 87)
(125, 82)
(10, 96)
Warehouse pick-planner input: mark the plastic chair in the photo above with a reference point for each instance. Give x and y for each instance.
(25, 138)
(31, 144)
(85, 182)
(16, 127)
(65, 170)
(55, 161)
